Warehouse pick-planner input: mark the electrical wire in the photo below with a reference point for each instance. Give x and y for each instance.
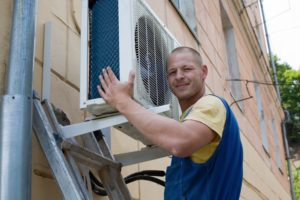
(261, 82)
(257, 38)
(256, 82)
(146, 175)
(285, 29)
(251, 4)
(275, 15)
(250, 97)
(74, 17)
(145, 178)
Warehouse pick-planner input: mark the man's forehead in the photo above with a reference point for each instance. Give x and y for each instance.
(179, 57)
(184, 56)
(182, 52)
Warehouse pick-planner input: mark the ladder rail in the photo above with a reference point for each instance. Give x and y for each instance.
(64, 169)
(77, 174)
(63, 177)
(110, 177)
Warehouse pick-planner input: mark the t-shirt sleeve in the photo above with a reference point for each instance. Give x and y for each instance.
(210, 111)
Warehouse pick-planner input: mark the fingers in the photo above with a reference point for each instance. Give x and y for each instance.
(106, 77)
(101, 92)
(103, 83)
(111, 75)
(131, 77)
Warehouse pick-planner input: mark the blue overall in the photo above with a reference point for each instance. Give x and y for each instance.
(219, 178)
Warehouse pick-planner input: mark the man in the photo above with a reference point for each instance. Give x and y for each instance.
(207, 152)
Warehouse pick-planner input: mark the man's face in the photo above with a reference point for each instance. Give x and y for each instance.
(185, 76)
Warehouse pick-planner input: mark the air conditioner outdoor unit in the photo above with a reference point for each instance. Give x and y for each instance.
(125, 35)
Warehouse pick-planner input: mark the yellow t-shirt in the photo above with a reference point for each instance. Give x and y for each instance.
(210, 111)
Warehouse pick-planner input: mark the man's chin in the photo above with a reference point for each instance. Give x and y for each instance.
(182, 96)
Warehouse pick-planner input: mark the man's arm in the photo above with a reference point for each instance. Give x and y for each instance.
(179, 139)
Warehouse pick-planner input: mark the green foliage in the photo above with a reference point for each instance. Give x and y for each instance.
(296, 177)
(289, 80)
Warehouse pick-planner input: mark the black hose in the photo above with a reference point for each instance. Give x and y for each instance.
(149, 173)
(142, 175)
(95, 180)
(145, 178)
(98, 191)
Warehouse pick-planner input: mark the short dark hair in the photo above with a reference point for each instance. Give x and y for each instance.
(196, 55)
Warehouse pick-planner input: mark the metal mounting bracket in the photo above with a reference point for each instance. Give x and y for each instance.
(90, 126)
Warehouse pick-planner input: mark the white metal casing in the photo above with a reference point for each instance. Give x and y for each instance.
(128, 60)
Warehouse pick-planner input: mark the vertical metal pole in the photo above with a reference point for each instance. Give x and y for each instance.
(270, 51)
(16, 105)
(278, 93)
(287, 115)
(47, 60)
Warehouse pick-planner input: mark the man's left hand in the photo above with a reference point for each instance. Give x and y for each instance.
(115, 93)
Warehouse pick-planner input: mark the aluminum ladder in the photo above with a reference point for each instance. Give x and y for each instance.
(96, 155)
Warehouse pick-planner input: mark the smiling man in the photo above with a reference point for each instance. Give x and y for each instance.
(207, 161)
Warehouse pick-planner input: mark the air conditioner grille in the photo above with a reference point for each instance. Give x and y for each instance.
(104, 44)
(152, 47)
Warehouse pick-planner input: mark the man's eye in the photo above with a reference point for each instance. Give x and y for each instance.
(187, 69)
(171, 73)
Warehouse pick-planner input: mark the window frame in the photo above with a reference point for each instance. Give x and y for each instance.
(185, 21)
(232, 63)
(279, 163)
(262, 122)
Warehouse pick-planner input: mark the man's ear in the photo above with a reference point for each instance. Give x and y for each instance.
(204, 72)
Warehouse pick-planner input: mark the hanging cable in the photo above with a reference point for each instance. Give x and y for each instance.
(250, 97)
(246, 6)
(146, 175)
(275, 15)
(263, 83)
(256, 82)
(285, 29)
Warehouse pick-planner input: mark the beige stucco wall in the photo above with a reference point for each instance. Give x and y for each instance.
(6, 7)
(262, 179)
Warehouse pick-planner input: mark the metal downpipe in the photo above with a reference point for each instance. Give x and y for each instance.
(278, 93)
(16, 105)
(270, 51)
(287, 118)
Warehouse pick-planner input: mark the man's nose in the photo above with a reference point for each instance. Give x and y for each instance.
(179, 75)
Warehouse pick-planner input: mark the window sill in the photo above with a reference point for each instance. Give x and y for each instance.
(186, 23)
(280, 170)
(266, 151)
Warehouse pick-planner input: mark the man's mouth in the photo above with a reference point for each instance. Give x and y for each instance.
(180, 86)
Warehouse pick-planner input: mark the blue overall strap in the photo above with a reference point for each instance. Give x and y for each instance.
(188, 112)
(219, 178)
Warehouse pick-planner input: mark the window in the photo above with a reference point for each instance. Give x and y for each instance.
(177, 3)
(258, 37)
(258, 32)
(186, 9)
(263, 129)
(232, 58)
(244, 1)
(276, 142)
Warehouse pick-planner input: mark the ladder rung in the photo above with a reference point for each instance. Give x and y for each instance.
(65, 170)
(86, 161)
(89, 154)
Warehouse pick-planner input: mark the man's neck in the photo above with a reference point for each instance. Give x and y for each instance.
(185, 104)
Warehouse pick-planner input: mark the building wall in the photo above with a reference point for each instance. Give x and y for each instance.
(262, 178)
